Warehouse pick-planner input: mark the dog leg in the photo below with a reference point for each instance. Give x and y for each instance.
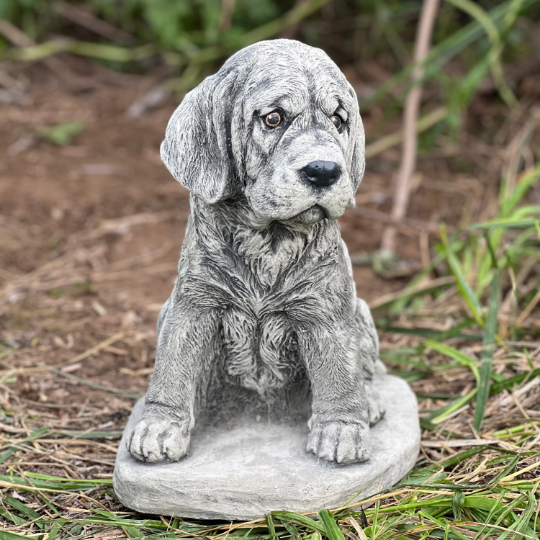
(368, 357)
(376, 410)
(339, 425)
(185, 340)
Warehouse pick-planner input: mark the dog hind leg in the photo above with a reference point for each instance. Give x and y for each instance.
(368, 352)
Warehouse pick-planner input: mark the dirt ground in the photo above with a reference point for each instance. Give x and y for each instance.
(90, 235)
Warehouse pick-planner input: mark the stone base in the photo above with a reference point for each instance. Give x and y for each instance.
(244, 472)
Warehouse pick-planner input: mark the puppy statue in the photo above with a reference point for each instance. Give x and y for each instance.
(264, 308)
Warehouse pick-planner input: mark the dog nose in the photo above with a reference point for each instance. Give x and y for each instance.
(321, 173)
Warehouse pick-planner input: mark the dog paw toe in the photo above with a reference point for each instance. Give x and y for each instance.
(155, 440)
(340, 442)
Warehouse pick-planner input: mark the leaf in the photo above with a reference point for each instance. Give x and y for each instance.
(21, 507)
(457, 503)
(271, 527)
(523, 525)
(508, 384)
(330, 526)
(61, 134)
(468, 295)
(524, 183)
(12, 517)
(7, 454)
(375, 520)
(462, 456)
(54, 531)
(418, 477)
(292, 530)
(5, 535)
(440, 415)
(456, 355)
(487, 354)
(494, 53)
(292, 517)
(133, 532)
(506, 224)
(506, 471)
(442, 52)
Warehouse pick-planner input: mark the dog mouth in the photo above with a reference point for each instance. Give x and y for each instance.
(314, 214)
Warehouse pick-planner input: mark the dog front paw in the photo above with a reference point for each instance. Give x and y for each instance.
(157, 439)
(340, 442)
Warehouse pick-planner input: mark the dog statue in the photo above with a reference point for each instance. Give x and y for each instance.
(272, 150)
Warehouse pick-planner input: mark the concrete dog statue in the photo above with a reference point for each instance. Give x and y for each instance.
(272, 150)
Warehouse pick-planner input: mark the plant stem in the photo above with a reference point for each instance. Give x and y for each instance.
(410, 137)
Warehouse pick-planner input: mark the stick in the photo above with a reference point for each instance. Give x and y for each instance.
(98, 386)
(227, 10)
(95, 349)
(457, 443)
(412, 106)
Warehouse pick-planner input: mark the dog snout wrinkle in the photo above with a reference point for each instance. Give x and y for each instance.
(321, 173)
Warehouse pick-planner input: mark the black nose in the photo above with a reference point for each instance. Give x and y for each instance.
(321, 173)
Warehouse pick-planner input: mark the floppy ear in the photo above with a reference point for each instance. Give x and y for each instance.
(357, 145)
(195, 147)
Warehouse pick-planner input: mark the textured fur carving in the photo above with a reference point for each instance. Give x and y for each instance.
(264, 308)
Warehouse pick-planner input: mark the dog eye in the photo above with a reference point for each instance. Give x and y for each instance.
(273, 119)
(336, 120)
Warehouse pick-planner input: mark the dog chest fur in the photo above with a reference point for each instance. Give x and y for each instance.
(266, 282)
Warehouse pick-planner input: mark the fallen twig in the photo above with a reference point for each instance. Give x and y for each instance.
(458, 443)
(92, 384)
(95, 349)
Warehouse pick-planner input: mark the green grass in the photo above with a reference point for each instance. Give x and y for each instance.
(428, 502)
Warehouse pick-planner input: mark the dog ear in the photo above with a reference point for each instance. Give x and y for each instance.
(195, 145)
(357, 146)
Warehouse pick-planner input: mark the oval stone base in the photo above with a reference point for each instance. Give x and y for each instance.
(247, 470)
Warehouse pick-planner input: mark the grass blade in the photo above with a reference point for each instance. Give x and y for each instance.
(375, 520)
(457, 503)
(525, 182)
(506, 471)
(506, 223)
(486, 367)
(330, 526)
(271, 526)
(21, 507)
(299, 519)
(5, 535)
(442, 414)
(456, 355)
(468, 295)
